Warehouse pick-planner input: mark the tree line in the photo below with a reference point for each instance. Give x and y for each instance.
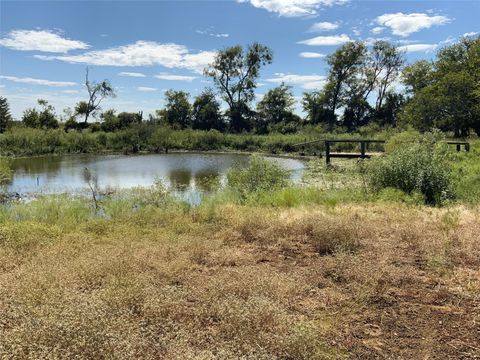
(364, 85)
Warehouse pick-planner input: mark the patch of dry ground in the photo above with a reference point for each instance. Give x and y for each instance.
(364, 281)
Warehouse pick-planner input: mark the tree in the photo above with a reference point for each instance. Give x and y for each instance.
(390, 110)
(206, 112)
(276, 105)
(388, 61)
(5, 116)
(417, 76)
(318, 108)
(96, 93)
(345, 63)
(178, 109)
(235, 73)
(447, 95)
(127, 119)
(44, 119)
(30, 118)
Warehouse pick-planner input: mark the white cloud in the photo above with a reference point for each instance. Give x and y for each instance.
(70, 91)
(378, 29)
(356, 32)
(28, 80)
(293, 8)
(405, 24)
(305, 81)
(311, 55)
(131, 74)
(141, 53)
(212, 33)
(326, 40)
(323, 26)
(418, 48)
(165, 76)
(146, 89)
(472, 33)
(40, 40)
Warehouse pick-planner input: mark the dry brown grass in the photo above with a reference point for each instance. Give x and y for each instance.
(363, 281)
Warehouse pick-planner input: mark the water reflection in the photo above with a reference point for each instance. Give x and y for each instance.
(186, 173)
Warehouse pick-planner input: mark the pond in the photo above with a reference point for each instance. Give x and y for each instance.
(187, 174)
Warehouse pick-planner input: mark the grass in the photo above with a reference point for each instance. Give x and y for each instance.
(327, 270)
(263, 280)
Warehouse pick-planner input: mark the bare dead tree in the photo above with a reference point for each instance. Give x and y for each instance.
(96, 93)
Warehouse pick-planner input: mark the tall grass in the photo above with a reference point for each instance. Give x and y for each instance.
(20, 141)
(6, 172)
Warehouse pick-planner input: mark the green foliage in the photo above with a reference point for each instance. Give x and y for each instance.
(414, 167)
(235, 73)
(466, 173)
(206, 112)
(6, 172)
(259, 176)
(5, 116)
(43, 119)
(277, 105)
(178, 109)
(446, 93)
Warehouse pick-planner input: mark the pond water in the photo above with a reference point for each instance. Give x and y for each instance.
(188, 174)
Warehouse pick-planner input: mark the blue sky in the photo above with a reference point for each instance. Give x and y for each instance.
(144, 48)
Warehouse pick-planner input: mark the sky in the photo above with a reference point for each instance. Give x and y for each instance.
(147, 47)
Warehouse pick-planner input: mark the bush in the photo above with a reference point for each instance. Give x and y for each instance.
(259, 176)
(414, 167)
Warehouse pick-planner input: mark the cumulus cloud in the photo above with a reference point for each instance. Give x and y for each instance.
(141, 53)
(326, 40)
(32, 81)
(146, 89)
(323, 26)
(293, 8)
(172, 77)
(40, 40)
(418, 48)
(405, 24)
(311, 55)
(472, 33)
(131, 74)
(306, 81)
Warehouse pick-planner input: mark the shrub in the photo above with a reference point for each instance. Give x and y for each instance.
(414, 167)
(259, 176)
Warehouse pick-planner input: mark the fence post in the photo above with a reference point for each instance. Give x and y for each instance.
(363, 148)
(327, 152)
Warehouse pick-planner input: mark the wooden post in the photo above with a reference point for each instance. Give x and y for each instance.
(363, 148)
(467, 147)
(327, 152)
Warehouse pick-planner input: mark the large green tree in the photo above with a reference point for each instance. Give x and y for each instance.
(5, 116)
(235, 72)
(277, 105)
(345, 63)
(178, 110)
(447, 96)
(206, 112)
